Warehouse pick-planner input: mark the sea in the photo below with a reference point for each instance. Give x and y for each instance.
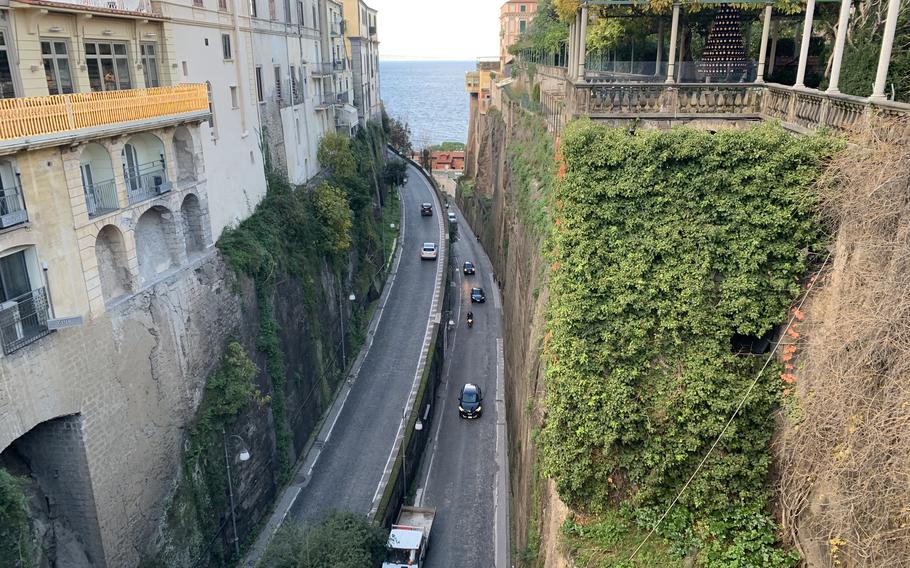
(429, 96)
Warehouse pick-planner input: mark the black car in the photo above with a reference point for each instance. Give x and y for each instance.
(469, 401)
(426, 209)
(468, 267)
(477, 296)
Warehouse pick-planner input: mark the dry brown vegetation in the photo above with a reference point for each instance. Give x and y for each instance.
(844, 452)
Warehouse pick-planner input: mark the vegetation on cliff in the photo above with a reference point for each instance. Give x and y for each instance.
(16, 540)
(667, 245)
(341, 540)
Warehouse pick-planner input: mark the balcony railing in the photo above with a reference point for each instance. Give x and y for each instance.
(321, 68)
(27, 117)
(23, 320)
(372, 30)
(101, 198)
(146, 182)
(143, 6)
(339, 65)
(12, 207)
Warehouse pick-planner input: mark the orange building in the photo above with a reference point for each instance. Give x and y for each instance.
(514, 18)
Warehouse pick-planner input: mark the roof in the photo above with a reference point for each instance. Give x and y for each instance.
(408, 539)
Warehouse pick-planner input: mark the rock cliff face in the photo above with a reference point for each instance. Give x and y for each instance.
(488, 197)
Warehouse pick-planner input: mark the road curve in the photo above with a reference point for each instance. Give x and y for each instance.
(350, 465)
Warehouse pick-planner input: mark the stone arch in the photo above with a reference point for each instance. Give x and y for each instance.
(98, 184)
(193, 232)
(156, 236)
(144, 169)
(113, 268)
(184, 154)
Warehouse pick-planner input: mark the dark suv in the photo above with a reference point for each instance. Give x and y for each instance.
(469, 401)
(426, 209)
(477, 296)
(468, 267)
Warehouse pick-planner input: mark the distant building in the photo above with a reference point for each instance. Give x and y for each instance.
(478, 83)
(514, 18)
(443, 161)
(363, 50)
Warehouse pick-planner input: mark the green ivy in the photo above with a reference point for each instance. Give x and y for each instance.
(16, 540)
(533, 172)
(665, 245)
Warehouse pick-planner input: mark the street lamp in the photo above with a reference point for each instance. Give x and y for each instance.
(243, 456)
(344, 359)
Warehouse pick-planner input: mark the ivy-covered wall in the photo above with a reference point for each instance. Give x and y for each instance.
(666, 246)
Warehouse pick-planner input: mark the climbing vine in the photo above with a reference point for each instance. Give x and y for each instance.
(15, 528)
(665, 246)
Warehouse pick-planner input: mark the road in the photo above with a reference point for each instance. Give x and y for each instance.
(351, 461)
(459, 471)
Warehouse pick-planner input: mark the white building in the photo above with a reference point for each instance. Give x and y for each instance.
(363, 49)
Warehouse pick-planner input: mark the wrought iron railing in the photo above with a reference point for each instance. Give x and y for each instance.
(101, 198)
(321, 68)
(12, 207)
(146, 182)
(23, 320)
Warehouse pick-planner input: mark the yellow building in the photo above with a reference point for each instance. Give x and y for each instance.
(478, 83)
(100, 162)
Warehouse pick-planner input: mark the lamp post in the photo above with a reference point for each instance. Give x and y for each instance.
(243, 456)
(344, 359)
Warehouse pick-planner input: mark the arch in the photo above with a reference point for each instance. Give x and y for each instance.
(184, 153)
(98, 184)
(144, 168)
(113, 269)
(193, 232)
(155, 240)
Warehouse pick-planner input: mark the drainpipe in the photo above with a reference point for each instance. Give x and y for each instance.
(238, 73)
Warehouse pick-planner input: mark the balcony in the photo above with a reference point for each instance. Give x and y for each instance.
(472, 82)
(31, 121)
(12, 207)
(23, 320)
(141, 6)
(372, 30)
(146, 181)
(101, 198)
(339, 65)
(321, 69)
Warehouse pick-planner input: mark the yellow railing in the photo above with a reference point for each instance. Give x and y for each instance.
(23, 117)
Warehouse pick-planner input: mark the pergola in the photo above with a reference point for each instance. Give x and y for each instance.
(578, 31)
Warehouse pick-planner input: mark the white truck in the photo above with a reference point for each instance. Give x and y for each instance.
(409, 537)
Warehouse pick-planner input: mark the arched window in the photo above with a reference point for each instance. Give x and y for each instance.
(193, 233)
(184, 154)
(156, 243)
(112, 264)
(143, 167)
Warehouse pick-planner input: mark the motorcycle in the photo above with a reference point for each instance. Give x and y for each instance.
(470, 319)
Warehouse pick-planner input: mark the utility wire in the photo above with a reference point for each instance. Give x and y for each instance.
(735, 412)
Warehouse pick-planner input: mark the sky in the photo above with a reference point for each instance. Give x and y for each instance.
(437, 29)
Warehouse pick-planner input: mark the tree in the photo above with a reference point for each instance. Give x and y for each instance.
(341, 540)
(395, 172)
(335, 153)
(397, 132)
(425, 159)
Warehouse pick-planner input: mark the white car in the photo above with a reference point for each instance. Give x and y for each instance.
(452, 218)
(428, 251)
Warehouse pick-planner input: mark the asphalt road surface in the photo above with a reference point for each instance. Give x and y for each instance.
(350, 465)
(458, 474)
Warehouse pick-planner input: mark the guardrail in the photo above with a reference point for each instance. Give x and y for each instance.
(33, 116)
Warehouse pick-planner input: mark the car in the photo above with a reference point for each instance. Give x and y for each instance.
(428, 251)
(477, 296)
(426, 209)
(452, 218)
(468, 267)
(469, 401)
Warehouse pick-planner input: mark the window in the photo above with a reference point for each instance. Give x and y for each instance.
(315, 19)
(222, 5)
(253, 8)
(293, 73)
(300, 13)
(226, 46)
(208, 90)
(197, 2)
(287, 11)
(149, 52)
(235, 100)
(7, 91)
(57, 67)
(521, 26)
(23, 309)
(259, 94)
(278, 82)
(108, 66)
(522, 8)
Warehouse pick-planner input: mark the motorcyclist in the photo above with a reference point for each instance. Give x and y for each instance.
(470, 318)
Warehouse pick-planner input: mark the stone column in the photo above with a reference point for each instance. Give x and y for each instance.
(671, 56)
(583, 42)
(842, 22)
(570, 51)
(660, 46)
(765, 28)
(804, 45)
(772, 57)
(884, 56)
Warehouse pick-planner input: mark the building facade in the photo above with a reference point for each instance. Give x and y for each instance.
(363, 49)
(514, 18)
(131, 135)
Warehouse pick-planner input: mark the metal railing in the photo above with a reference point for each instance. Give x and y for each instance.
(24, 117)
(23, 320)
(146, 182)
(321, 68)
(339, 64)
(143, 6)
(12, 207)
(101, 198)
